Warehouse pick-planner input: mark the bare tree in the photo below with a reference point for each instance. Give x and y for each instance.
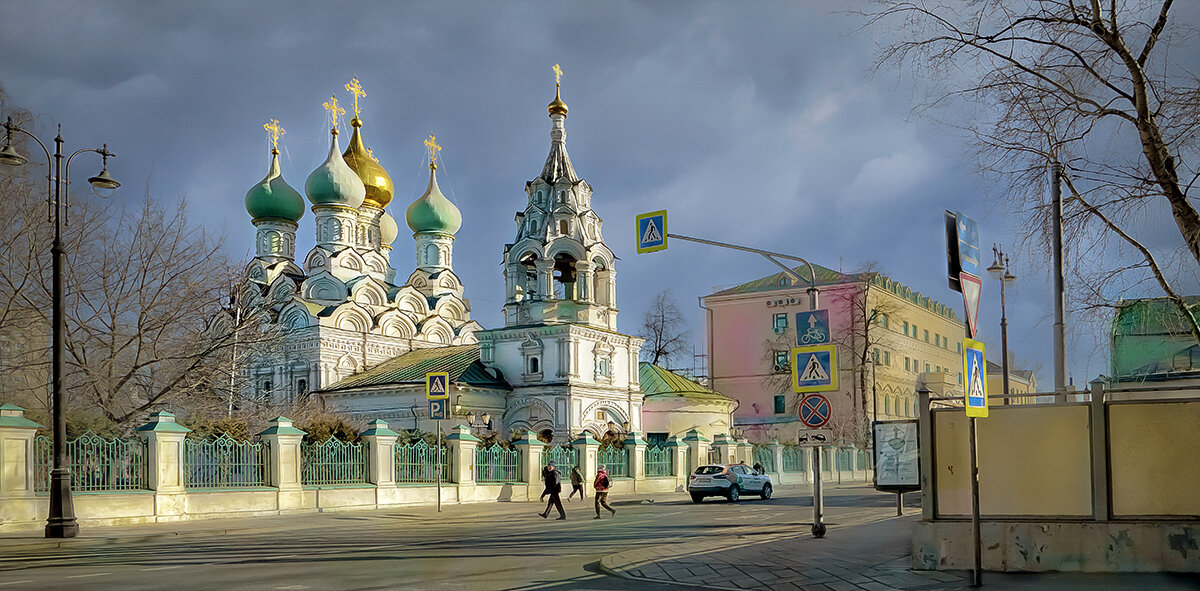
(662, 327)
(1101, 88)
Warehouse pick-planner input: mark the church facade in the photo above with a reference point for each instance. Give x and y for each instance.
(363, 341)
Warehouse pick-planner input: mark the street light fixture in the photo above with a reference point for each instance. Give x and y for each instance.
(999, 271)
(61, 522)
(484, 424)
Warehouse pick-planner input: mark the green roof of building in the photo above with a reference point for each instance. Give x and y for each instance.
(460, 361)
(1153, 316)
(659, 383)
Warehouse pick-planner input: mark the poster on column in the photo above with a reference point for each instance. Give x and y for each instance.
(897, 456)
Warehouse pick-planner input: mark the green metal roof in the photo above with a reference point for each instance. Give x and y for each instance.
(659, 383)
(780, 280)
(460, 361)
(1153, 316)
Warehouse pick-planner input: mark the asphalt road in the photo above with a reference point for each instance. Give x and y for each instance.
(479, 546)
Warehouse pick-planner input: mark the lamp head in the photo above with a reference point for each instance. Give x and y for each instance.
(471, 418)
(487, 419)
(9, 156)
(103, 185)
(1008, 276)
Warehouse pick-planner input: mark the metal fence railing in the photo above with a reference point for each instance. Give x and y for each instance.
(333, 462)
(417, 463)
(617, 461)
(660, 460)
(564, 458)
(96, 463)
(763, 455)
(793, 459)
(224, 462)
(496, 464)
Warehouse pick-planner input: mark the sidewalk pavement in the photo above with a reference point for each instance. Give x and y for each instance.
(867, 552)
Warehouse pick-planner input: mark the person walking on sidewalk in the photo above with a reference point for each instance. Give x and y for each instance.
(553, 487)
(601, 484)
(576, 483)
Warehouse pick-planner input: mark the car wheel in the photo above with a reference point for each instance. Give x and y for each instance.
(766, 491)
(697, 498)
(734, 494)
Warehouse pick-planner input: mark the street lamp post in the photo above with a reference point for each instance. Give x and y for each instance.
(61, 522)
(999, 271)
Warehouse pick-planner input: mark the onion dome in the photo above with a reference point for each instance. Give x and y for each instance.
(388, 230)
(273, 197)
(373, 176)
(432, 212)
(333, 182)
(556, 106)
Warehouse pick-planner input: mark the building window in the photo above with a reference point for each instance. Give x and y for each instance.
(883, 320)
(302, 387)
(781, 361)
(887, 405)
(927, 335)
(905, 328)
(785, 281)
(926, 368)
(779, 323)
(780, 404)
(887, 358)
(602, 367)
(563, 227)
(960, 378)
(960, 348)
(599, 415)
(534, 365)
(907, 363)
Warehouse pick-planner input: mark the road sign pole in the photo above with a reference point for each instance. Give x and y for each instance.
(818, 528)
(439, 465)
(977, 544)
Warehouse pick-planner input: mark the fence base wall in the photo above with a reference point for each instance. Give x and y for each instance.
(1105, 546)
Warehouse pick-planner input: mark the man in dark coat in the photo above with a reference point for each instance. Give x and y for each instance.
(553, 482)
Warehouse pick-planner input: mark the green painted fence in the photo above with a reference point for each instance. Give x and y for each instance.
(660, 460)
(763, 455)
(333, 462)
(496, 464)
(224, 463)
(96, 463)
(417, 463)
(617, 461)
(793, 459)
(564, 458)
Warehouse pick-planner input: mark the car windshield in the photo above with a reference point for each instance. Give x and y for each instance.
(709, 470)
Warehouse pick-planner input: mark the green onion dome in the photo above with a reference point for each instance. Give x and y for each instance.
(334, 182)
(432, 212)
(273, 198)
(388, 230)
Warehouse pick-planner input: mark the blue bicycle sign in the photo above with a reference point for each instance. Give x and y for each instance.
(812, 327)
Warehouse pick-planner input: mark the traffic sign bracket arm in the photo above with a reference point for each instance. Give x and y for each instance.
(770, 256)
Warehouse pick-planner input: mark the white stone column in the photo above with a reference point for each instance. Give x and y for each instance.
(776, 456)
(726, 447)
(545, 272)
(462, 454)
(583, 281)
(17, 447)
(588, 450)
(745, 451)
(283, 439)
(164, 441)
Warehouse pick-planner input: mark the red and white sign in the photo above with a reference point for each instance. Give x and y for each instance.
(972, 288)
(815, 411)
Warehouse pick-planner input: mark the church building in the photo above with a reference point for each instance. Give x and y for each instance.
(364, 341)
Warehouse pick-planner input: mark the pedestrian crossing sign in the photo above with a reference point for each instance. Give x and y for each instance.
(814, 368)
(437, 385)
(652, 231)
(975, 371)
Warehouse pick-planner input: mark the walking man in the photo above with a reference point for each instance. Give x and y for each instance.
(576, 483)
(601, 484)
(553, 487)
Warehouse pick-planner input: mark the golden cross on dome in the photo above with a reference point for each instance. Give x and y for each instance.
(276, 131)
(557, 74)
(434, 148)
(354, 87)
(334, 110)
(371, 155)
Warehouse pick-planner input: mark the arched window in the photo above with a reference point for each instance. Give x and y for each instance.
(302, 387)
(563, 227)
(534, 365)
(887, 405)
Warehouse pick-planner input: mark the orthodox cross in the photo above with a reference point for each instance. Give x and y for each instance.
(557, 74)
(334, 110)
(275, 131)
(434, 148)
(356, 88)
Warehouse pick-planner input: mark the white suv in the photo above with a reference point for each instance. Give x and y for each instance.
(729, 481)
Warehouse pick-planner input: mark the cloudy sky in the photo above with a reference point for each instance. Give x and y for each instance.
(754, 123)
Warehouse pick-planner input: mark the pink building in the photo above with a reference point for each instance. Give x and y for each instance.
(887, 336)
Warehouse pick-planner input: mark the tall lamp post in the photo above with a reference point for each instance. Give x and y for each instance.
(999, 271)
(61, 521)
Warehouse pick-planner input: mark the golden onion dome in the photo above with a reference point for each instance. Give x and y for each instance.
(557, 106)
(373, 176)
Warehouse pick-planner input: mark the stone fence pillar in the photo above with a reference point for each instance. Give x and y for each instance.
(745, 451)
(381, 453)
(587, 449)
(776, 455)
(726, 448)
(17, 457)
(283, 439)
(698, 445)
(679, 468)
(531, 461)
(164, 464)
(462, 451)
(635, 450)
